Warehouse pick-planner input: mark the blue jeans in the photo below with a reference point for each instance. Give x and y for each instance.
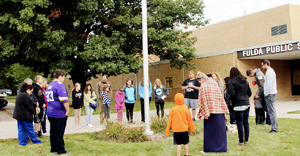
(28, 126)
(89, 113)
(43, 124)
(57, 130)
(270, 102)
(242, 123)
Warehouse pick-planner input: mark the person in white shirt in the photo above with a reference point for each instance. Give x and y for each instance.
(270, 92)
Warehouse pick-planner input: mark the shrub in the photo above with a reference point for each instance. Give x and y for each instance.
(158, 125)
(115, 131)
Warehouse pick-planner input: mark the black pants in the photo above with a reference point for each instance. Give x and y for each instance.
(259, 115)
(43, 124)
(242, 123)
(268, 120)
(129, 111)
(161, 104)
(57, 130)
(232, 115)
(143, 108)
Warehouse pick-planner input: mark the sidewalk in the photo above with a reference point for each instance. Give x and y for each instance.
(9, 128)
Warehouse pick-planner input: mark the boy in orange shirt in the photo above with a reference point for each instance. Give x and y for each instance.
(180, 120)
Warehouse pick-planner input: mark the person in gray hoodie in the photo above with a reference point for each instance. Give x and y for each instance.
(158, 94)
(256, 73)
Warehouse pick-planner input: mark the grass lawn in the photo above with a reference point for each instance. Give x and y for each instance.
(286, 142)
(11, 99)
(294, 112)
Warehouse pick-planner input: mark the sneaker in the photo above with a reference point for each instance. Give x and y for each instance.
(143, 121)
(241, 144)
(246, 143)
(202, 152)
(91, 125)
(273, 131)
(256, 123)
(194, 119)
(39, 134)
(262, 123)
(267, 125)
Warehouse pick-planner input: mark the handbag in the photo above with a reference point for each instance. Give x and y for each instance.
(94, 106)
(37, 110)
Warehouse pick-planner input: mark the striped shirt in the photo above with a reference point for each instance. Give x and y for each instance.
(106, 99)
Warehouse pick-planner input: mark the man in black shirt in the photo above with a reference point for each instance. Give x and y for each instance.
(191, 87)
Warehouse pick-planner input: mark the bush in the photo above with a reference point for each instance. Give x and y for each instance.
(115, 131)
(158, 125)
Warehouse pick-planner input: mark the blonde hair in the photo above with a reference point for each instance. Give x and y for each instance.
(201, 75)
(160, 85)
(44, 80)
(75, 85)
(38, 77)
(218, 77)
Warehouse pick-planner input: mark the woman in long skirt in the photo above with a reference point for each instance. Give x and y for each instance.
(214, 110)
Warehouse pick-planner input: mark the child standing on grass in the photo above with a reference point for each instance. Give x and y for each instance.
(120, 103)
(259, 109)
(180, 120)
(160, 93)
(106, 102)
(130, 95)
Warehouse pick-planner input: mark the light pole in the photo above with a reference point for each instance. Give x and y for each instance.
(145, 66)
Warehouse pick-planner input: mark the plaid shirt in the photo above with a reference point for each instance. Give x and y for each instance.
(211, 100)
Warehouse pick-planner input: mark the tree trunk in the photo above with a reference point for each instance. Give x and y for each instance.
(78, 73)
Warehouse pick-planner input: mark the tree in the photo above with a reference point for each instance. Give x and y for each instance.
(11, 76)
(89, 37)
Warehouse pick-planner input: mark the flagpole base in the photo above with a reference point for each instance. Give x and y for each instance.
(149, 132)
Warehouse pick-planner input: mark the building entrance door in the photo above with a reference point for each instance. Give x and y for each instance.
(295, 71)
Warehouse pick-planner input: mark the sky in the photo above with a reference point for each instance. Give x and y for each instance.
(223, 10)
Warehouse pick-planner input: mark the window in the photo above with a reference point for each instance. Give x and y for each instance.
(169, 82)
(278, 30)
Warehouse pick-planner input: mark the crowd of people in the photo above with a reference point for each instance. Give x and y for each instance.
(215, 107)
(37, 100)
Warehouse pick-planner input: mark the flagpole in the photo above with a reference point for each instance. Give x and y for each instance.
(146, 70)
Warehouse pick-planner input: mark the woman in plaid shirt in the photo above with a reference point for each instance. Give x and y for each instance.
(214, 110)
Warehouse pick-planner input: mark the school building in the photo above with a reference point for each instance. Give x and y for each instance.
(242, 42)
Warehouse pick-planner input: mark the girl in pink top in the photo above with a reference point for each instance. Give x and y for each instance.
(119, 105)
